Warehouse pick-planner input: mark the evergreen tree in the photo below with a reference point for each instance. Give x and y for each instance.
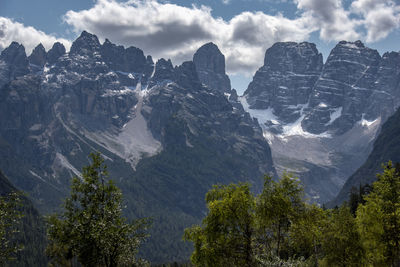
(10, 219)
(92, 229)
(379, 219)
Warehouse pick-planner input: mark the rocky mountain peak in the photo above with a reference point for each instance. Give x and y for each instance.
(163, 70)
(295, 57)
(85, 44)
(339, 96)
(210, 65)
(15, 57)
(186, 75)
(14, 53)
(118, 58)
(209, 58)
(38, 56)
(354, 45)
(285, 82)
(55, 52)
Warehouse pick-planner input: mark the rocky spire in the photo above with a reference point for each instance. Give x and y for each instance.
(55, 52)
(38, 56)
(15, 56)
(210, 66)
(86, 44)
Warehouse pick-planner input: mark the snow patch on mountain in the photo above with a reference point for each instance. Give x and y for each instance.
(335, 114)
(262, 115)
(134, 140)
(367, 123)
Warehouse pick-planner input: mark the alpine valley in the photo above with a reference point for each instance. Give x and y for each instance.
(168, 133)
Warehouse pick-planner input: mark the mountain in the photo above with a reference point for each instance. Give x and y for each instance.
(321, 119)
(386, 147)
(31, 233)
(167, 133)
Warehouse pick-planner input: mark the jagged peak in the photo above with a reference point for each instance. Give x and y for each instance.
(39, 47)
(85, 43)
(186, 75)
(292, 56)
(13, 47)
(209, 46)
(149, 60)
(284, 47)
(38, 56)
(14, 50)
(354, 45)
(209, 58)
(162, 62)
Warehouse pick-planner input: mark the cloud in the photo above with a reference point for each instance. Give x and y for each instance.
(26, 35)
(176, 32)
(333, 21)
(163, 29)
(380, 17)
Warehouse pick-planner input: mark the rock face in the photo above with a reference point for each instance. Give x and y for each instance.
(166, 136)
(55, 52)
(38, 56)
(286, 80)
(13, 62)
(345, 86)
(321, 119)
(210, 65)
(386, 148)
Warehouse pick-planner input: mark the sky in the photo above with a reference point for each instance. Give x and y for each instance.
(175, 29)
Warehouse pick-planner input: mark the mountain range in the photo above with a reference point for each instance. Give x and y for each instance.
(168, 133)
(321, 118)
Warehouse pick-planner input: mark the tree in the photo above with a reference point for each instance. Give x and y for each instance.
(10, 218)
(279, 205)
(92, 229)
(225, 237)
(341, 242)
(378, 219)
(307, 232)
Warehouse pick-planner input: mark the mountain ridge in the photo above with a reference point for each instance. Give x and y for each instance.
(166, 137)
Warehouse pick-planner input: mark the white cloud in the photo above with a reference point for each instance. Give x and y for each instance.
(333, 21)
(26, 35)
(176, 32)
(168, 30)
(380, 17)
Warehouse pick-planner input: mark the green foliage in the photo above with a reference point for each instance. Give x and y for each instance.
(10, 219)
(341, 242)
(379, 219)
(278, 206)
(29, 231)
(357, 197)
(243, 230)
(307, 233)
(226, 236)
(92, 229)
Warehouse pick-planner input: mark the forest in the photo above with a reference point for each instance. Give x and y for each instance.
(277, 227)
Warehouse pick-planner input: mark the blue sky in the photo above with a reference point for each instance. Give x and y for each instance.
(243, 29)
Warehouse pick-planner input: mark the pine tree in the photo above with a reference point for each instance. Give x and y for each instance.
(379, 219)
(10, 218)
(92, 229)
